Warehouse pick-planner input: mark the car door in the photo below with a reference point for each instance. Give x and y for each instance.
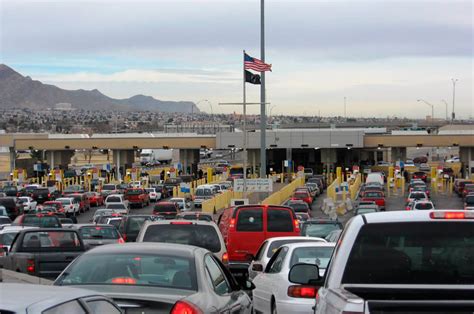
(249, 233)
(224, 302)
(267, 282)
(279, 222)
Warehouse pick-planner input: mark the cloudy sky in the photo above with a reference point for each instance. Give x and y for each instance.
(381, 55)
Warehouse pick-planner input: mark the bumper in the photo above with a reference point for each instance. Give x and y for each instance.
(295, 306)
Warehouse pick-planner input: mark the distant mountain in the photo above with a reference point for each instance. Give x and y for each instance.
(18, 91)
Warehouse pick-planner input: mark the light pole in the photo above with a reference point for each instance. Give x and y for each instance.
(453, 115)
(432, 107)
(446, 103)
(270, 113)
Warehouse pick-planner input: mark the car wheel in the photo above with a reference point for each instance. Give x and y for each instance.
(274, 309)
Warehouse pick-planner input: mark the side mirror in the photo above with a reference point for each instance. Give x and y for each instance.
(304, 274)
(257, 267)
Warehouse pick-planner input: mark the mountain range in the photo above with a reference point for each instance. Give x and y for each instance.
(18, 91)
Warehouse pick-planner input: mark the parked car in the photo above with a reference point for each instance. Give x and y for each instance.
(137, 196)
(50, 300)
(244, 229)
(197, 232)
(275, 293)
(159, 277)
(43, 252)
(270, 246)
(95, 198)
(130, 225)
(320, 228)
(167, 210)
(94, 234)
(29, 205)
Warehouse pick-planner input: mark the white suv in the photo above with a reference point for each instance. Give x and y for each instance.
(71, 206)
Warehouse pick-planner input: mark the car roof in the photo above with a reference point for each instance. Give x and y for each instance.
(18, 297)
(194, 213)
(407, 216)
(178, 222)
(309, 244)
(146, 248)
(64, 198)
(270, 240)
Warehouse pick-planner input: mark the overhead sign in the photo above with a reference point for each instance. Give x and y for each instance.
(254, 185)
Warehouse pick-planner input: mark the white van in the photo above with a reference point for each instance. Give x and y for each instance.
(377, 177)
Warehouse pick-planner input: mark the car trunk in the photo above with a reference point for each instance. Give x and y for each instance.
(51, 264)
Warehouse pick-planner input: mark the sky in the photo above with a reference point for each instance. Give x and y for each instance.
(382, 56)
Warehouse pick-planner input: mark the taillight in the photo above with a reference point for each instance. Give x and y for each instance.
(30, 266)
(2, 250)
(297, 224)
(121, 240)
(302, 291)
(124, 237)
(49, 195)
(181, 222)
(225, 258)
(185, 307)
(232, 223)
(452, 215)
(124, 281)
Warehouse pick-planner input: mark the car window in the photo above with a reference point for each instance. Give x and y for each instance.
(7, 238)
(71, 307)
(98, 232)
(159, 208)
(412, 253)
(44, 221)
(318, 230)
(51, 240)
(261, 251)
(312, 255)
(424, 206)
(218, 279)
(204, 236)
(134, 224)
(275, 265)
(102, 306)
(117, 206)
(275, 245)
(279, 220)
(114, 199)
(250, 219)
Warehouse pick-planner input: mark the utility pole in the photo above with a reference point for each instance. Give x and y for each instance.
(263, 118)
(453, 115)
(446, 103)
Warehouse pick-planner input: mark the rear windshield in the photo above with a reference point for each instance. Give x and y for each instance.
(319, 230)
(412, 253)
(40, 191)
(417, 195)
(43, 221)
(77, 197)
(424, 206)
(165, 208)
(312, 255)
(366, 210)
(203, 192)
(299, 207)
(250, 220)
(469, 187)
(99, 233)
(198, 235)
(279, 220)
(108, 187)
(134, 192)
(5, 220)
(9, 188)
(197, 217)
(114, 199)
(117, 206)
(372, 194)
(276, 244)
(51, 240)
(65, 201)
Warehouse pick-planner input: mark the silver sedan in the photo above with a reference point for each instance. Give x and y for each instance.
(160, 277)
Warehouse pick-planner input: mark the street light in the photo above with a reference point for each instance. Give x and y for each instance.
(270, 112)
(453, 116)
(432, 107)
(446, 103)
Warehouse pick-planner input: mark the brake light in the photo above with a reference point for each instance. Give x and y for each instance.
(49, 195)
(297, 224)
(181, 223)
(124, 281)
(302, 291)
(225, 257)
(30, 266)
(121, 241)
(232, 223)
(185, 307)
(124, 237)
(452, 215)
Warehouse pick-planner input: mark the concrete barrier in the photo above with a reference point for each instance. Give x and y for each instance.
(12, 276)
(280, 196)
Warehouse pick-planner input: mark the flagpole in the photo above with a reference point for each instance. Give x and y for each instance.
(263, 116)
(244, 194)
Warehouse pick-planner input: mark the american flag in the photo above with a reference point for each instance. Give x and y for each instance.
(255, 64)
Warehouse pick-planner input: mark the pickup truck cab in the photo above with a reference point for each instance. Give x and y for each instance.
(398, 262)
(137, 196)
(43, 252)
(375, 196)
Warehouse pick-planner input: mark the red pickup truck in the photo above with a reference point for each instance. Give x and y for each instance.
(137, 196)
(375, 196)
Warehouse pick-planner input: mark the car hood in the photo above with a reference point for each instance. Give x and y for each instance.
(146, 297)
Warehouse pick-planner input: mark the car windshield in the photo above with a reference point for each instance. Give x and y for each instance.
(318, 230)
(423, 206)
(434, 252)
(276, 244)
(42, 221)
(139, 269)
(117, 206)
(51, 240)
(192, 234)
(312, 255)
(99, 232)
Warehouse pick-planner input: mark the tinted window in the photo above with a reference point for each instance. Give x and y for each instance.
(424, 206)
(412, 253)
(198, 235)
(318, 230)
(312, 255)
(275, 265)
(197, 217)
(203, 192)
(134, 224)
(218, 279)
(5, 220)
(98, 233)
(133, 269)
(276, 244)
(72, 307)
(102, 306)
(43, 221)
(114, 199)
(279, 220)
(117, 206)
(470, 200)
(372, 194)
(165, 208)
(134, 192)
(7, 238)
(250, 220)
(417, 195)
(299, 207)
(108, 187)
(51, 240)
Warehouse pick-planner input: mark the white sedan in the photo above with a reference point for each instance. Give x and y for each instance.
(29, 205)
(269, 246)
(271, 294)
